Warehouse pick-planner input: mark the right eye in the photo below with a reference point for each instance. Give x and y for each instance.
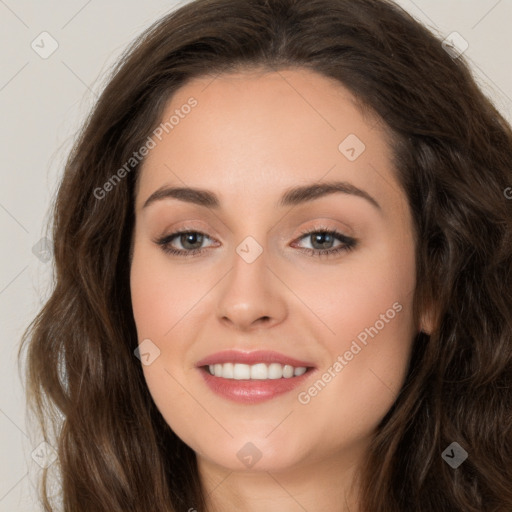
(185, 238)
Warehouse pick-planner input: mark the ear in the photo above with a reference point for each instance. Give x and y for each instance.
(427, 320)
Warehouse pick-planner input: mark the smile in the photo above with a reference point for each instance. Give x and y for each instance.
(253, 377)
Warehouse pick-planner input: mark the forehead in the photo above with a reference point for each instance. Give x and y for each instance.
(255, 132)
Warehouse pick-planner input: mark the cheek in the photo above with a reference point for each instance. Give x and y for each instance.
(369, 314)
(161, 293)
(353, 296)
(160, 300)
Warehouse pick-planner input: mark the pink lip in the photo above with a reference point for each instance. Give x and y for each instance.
(253, 357)
(251, 391)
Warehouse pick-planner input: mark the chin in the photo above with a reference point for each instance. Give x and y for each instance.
(254, 454)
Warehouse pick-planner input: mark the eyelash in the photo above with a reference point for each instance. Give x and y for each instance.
(348, 243)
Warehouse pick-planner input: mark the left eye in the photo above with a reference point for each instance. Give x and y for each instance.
(191, 241)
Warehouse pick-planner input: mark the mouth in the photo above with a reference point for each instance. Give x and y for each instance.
(253, 377)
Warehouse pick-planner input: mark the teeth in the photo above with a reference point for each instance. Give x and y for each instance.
(299, 371)
(260, 371)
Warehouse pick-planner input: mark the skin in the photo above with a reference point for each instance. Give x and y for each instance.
(252, 136)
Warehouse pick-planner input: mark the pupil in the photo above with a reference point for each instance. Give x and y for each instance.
(189, 237)
(323, 244)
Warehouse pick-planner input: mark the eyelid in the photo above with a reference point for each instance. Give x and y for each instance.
(346, 231)
(329, 224)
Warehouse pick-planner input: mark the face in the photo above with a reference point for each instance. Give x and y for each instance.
(299, 255)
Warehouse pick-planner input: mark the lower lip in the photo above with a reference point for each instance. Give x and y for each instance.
(252, 391)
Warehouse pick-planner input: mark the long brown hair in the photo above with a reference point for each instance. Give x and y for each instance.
(453, 157)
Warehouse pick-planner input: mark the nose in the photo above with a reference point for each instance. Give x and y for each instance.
(252, 295)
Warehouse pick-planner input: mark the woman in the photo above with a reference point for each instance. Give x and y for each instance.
(368, 371)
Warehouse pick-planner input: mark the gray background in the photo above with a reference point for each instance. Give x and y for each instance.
(42, 103)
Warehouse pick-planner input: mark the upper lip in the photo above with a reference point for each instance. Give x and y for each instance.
(252, 357)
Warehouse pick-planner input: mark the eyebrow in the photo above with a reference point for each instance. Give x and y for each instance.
(291, 197)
